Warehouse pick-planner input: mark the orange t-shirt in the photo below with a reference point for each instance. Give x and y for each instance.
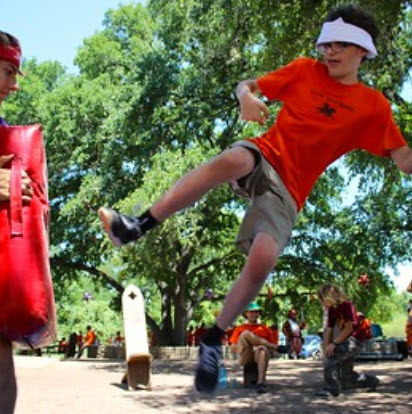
(90, 338)
(275, 335)
(258, 329)
(321, 119)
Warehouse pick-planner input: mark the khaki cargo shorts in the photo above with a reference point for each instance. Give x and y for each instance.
(271, 210)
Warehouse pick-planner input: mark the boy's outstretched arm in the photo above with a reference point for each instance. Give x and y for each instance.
(251, 107)
(403, 158)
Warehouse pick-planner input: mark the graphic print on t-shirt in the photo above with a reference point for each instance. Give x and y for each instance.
(326, 110)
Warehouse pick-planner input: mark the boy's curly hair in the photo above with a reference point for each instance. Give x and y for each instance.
(355, 15)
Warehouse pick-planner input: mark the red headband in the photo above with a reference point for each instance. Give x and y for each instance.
(11, 54)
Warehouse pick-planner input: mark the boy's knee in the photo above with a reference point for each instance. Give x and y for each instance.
(267, 257)
(263, 255)
(238, 159)
(245, 338)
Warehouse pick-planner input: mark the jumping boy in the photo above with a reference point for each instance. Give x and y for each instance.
(326, 113)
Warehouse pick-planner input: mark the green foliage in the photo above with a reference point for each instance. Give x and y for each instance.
(75, 313)
(395, 327)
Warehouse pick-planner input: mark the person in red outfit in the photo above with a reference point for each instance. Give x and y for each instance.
(10, 60)
(190, 336)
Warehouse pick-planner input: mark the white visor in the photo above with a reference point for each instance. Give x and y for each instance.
(339, 31)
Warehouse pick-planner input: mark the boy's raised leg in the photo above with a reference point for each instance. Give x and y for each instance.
(230, 165)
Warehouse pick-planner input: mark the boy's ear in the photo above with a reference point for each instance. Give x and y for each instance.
(363, 52)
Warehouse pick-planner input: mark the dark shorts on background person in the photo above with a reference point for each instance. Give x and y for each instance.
(271, 210)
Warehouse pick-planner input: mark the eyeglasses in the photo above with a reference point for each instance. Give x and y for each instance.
(335, 47)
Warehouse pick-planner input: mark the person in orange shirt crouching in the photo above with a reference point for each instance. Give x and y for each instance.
(254, 343)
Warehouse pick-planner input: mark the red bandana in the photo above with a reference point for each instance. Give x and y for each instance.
(11, 54)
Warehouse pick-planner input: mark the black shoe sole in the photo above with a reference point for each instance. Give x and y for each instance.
(106, 217)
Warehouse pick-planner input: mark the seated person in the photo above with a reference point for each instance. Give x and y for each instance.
(62, 347)
(364, 327)
(253, 342)
(118, 340)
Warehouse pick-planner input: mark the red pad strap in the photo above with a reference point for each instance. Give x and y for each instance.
(16, 202)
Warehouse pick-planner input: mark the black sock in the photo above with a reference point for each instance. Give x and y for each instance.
(213, 336)
(147, 221)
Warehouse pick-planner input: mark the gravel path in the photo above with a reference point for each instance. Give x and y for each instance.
(53, 386)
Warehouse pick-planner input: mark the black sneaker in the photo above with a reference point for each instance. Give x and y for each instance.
(207, 371)
(373, 383)
(261, 388)
(121, 229)
(282, 349)
(326, 393)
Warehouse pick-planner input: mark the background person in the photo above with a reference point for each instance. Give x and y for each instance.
(190, 336)
(118, 340)
(343, 342)
(292, 329)
(199, 332)
(254, 343)
(364, 327)
(89, 340)
(409, 287)
(63, 346)
(80, 340)
(408, 330)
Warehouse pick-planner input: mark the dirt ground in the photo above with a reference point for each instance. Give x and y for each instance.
(53, 386)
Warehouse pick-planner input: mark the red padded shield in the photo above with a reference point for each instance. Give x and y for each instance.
(27, 315)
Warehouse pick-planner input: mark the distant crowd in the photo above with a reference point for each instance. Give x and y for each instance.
(77, 343)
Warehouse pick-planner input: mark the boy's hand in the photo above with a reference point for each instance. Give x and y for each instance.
(5, 181)
(253, 109)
